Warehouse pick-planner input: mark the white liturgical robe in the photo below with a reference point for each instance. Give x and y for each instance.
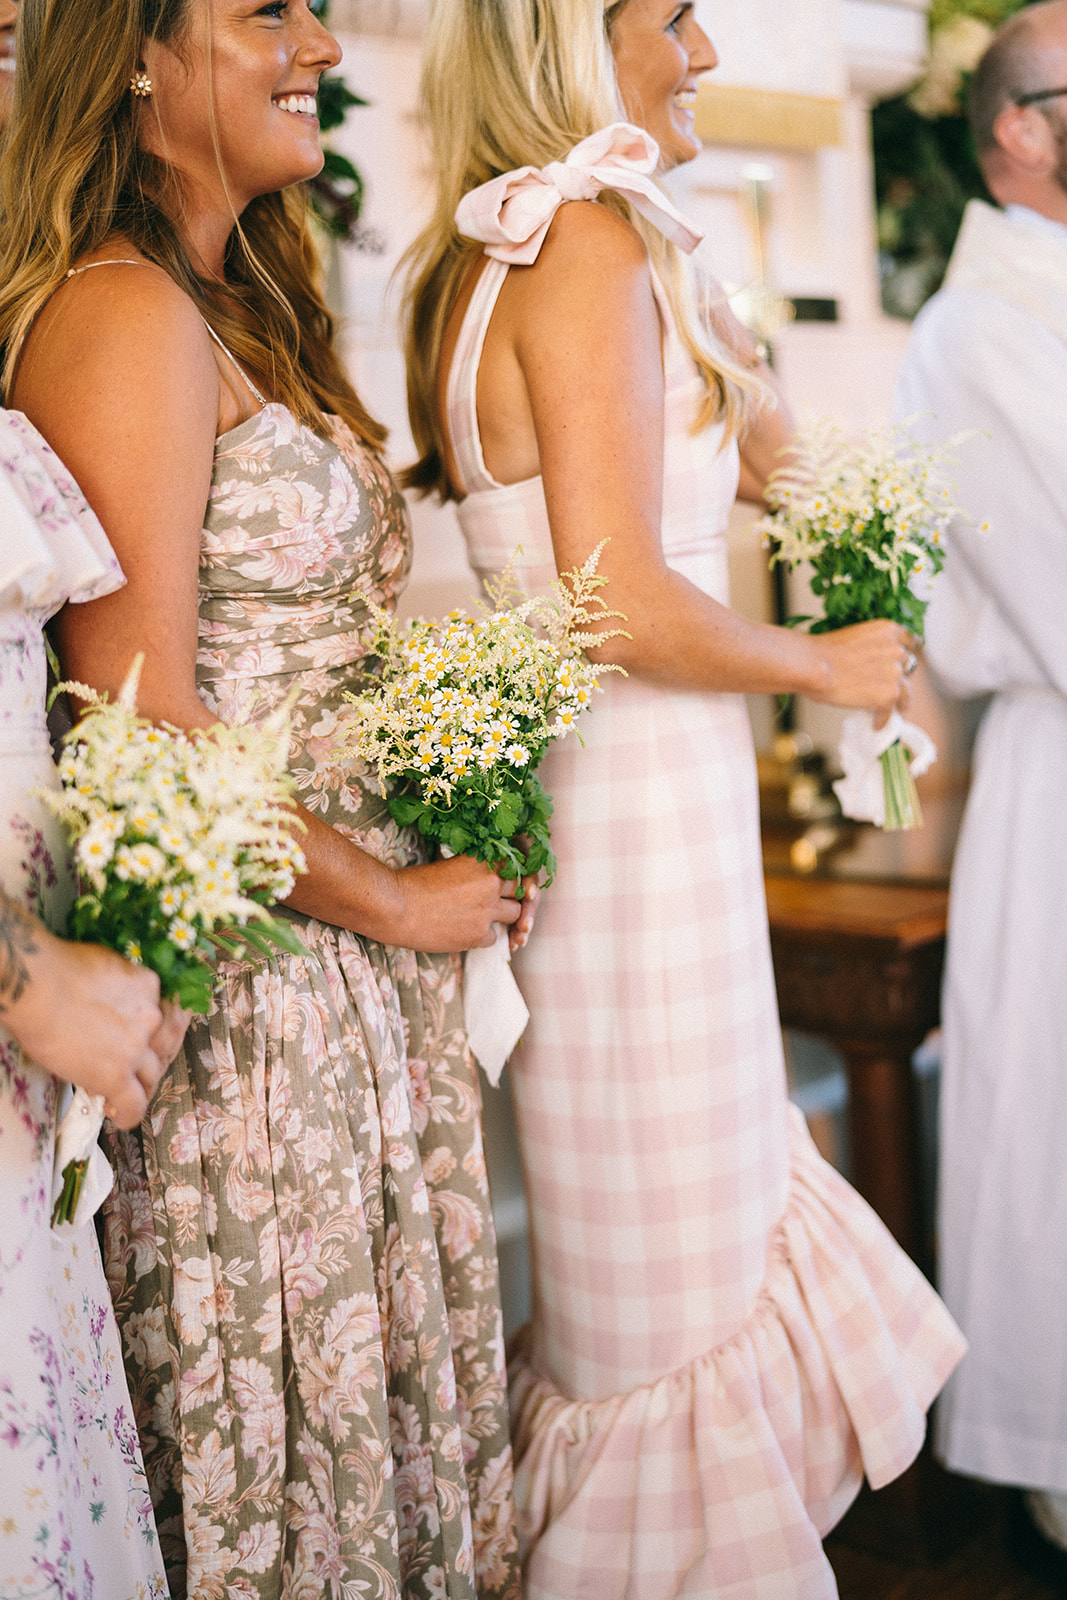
(989, 352)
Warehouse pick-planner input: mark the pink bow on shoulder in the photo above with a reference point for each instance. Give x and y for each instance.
(510, 215)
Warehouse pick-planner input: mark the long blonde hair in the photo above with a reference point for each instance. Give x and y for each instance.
(514, 83)
(73, 173)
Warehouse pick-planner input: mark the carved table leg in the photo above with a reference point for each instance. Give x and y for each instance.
(884, 1136)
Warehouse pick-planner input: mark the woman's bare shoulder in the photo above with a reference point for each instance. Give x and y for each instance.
(119, 376)
(123, 322)
(109, 295)
(583, 232)
(592, 269)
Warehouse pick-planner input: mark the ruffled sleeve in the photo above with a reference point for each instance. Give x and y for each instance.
(511, 214)
(53, 548)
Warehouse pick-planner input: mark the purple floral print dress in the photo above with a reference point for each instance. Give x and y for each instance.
(300, 1244)
(75, 1514)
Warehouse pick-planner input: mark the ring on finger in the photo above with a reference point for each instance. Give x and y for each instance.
(911, 661)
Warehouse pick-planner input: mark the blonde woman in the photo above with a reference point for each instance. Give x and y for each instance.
(300, 1247)
(724, 1336)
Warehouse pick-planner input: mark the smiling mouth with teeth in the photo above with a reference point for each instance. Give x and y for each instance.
(686, 99)
(301, 105)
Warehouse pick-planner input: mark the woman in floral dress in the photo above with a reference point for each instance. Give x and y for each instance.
(300, 1247)
(75, 1514)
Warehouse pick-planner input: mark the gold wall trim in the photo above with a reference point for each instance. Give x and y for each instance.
(766, 119)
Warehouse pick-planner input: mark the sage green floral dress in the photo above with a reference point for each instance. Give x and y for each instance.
(300, 1245)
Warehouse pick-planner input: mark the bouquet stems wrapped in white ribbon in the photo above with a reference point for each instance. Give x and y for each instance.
(464, 712)
(869, 518)
(180, 842)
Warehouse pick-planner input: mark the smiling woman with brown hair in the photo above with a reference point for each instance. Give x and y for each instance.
(300, 1246)
(724, 1337)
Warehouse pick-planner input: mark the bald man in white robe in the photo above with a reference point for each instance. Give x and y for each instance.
(989, 353)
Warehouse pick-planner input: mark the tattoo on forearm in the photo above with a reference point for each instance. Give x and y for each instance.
(17, 941)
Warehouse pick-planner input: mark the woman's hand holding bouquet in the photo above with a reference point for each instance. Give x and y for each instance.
(465, 710)
(869, 518)
(180, 842)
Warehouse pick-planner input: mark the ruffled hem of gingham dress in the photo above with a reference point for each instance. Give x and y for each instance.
(756, 1448)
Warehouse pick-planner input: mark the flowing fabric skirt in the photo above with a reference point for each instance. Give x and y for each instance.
(302, 1257)
(75, 1514)
(725, 1338)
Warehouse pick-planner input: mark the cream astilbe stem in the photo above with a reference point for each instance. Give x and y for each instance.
(181, 841)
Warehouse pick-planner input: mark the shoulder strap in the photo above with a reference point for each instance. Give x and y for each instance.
(123, 261)
(118, 261)
(461, 395)
(234, 363)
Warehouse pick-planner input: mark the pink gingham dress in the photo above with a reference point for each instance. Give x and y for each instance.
(725, 1337)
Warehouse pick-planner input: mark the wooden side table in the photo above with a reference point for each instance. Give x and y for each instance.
(859, 964)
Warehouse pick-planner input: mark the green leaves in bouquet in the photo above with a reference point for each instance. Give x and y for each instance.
(510, 832)
(188, 975)
(181, 840)
(852, 590)
(466, 707)
(868, 517)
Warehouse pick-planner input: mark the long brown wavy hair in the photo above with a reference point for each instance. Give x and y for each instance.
(73, 174)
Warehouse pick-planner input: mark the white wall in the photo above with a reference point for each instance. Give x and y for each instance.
(793, 46)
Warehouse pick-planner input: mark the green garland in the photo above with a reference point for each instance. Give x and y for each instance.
(925, 165)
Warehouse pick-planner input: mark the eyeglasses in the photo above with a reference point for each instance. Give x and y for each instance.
(1038, 94)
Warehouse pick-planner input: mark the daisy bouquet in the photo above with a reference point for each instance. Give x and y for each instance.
(463, 712)
(180, 841)
(466, 708)
(869, 518)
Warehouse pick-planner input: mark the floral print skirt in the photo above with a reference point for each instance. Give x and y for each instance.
(301, 1254)
(75, 1515)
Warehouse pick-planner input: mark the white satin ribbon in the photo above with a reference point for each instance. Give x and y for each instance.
(76, 1140)
(861, 790)
(493, 1008)
(494, 1012)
